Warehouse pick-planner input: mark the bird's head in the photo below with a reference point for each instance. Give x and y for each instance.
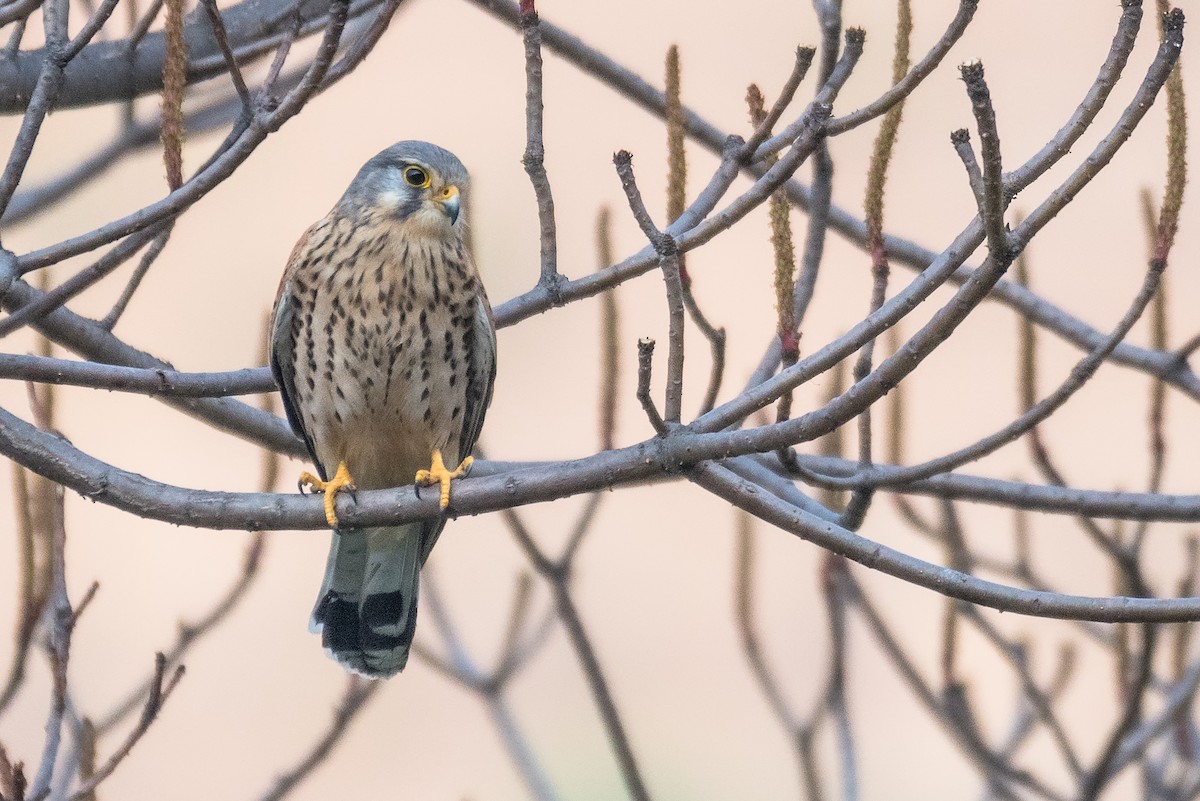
(416, 183)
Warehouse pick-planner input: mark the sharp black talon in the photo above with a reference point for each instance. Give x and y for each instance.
(417, 491)
(352, 490)
(300, 486)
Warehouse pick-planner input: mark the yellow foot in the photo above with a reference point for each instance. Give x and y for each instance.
(438, 474)
(341, 481)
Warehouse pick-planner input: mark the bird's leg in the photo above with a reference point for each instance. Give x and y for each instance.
(438, 474)
(341, 481)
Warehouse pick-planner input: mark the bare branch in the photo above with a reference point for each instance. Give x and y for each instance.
(122, 70)
(992, 191)
(142, 380)
(160, 690)
(668, 258)
(356, 696)
(535, 149)
(744, 594)
(222, 37)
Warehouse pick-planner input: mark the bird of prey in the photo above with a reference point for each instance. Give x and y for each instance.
(384, 349)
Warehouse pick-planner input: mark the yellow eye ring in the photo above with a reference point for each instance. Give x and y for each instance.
(415, 176)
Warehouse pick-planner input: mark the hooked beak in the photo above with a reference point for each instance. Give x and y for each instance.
(449, 200)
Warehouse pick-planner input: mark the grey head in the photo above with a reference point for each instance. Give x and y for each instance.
(412, 181)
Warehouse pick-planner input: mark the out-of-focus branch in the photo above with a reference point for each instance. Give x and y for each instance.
(59, 621)
(994, 767)
(744, 597)
(32, 593)
(357, 694)
(557, 573)
(610, 339)
(1040, 701)
(1106, 767)
(160, 690)
(519, 647)
(192, 632)
(834, 574)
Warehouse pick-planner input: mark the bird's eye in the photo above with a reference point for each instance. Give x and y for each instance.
(415, 176)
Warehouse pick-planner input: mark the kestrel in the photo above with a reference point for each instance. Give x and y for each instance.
(384, 350)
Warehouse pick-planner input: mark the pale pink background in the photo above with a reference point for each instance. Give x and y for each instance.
(654, 582)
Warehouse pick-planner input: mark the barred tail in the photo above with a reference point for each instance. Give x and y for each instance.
(367, 610)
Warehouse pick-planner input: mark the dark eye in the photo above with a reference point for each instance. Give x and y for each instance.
(415, 176)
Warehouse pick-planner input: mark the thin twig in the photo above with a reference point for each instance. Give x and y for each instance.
(1108, 764)
(151, 255)
(744, 596)
(31, 595)
(961, 139)
(189, 633)
(138, 32)
(58, 647)
(834, 572)
(1035, 411)
(222, 37)
(557, 574)
(763, 128)
(668, 258)
(535, 149)
(1039, 700)
(357, 694)
(992, 174)
(993, 767)
(460, 668)
(645, 364)
(160, 690)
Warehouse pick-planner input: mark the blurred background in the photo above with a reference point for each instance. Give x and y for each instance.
(655, 577)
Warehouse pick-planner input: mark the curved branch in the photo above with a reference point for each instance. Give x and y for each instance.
(95, 342)
(144, 380)
(901, 251)
(503, 485)
(943, 580)
(104, 72)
